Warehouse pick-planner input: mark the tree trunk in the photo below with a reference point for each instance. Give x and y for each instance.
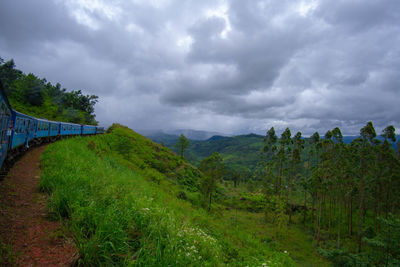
(312, 209)
(266, 195)
(330, 217)
(339, 223)
(319, 222)
(305, 206)
(360, 211)
(209, 204)
(351, 216)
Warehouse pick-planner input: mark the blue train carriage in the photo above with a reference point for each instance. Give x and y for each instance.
(70, 129)
(42, 128)
(23, 130)
(54, 129)
(88, 129)
(99, 130)
(5, 125)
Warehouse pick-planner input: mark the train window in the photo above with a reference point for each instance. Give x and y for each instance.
(16, 126)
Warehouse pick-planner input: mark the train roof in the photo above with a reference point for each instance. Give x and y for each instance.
(22, 114)
(70, 123)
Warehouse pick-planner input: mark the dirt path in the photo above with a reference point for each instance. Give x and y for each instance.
(34, 239)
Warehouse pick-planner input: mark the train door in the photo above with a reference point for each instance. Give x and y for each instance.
(27, 132)
(5, 133)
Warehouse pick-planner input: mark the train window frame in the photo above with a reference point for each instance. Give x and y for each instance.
(20, 125)
(16, 126)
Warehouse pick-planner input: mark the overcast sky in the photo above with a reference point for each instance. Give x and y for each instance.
(227, 66)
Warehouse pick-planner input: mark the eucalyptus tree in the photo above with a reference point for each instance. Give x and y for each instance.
(182, 144)
(284, 150)
(270, 149)
(340, 171)
(388, 166)
(322, 176)
(298, 146)
(316, 145)
(367, 134)
(213, 170)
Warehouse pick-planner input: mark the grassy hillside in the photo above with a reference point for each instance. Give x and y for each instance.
(129, 201)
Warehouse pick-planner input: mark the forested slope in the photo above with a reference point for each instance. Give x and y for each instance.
(37, 97)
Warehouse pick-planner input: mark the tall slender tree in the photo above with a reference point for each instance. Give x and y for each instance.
(213, 169)
(182, 144)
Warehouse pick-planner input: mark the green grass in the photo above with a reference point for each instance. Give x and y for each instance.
(122, 207)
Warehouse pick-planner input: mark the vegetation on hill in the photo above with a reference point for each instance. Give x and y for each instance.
(241, 154)
(342, 192)
(37, 97)
(129, 201)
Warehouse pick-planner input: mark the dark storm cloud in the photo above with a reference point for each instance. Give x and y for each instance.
(227, 66)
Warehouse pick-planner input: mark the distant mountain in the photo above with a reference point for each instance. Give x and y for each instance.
(194, 134)
(240, 153)
(217, 137)
(160, 137)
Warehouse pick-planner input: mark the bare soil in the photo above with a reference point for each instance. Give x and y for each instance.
(26, 229)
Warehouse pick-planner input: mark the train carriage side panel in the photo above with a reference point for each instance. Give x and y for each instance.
(54, 128)
(99, 130)
(88, 129)
(70, 129)
(22, 129)
(5, 125)
(42, 129)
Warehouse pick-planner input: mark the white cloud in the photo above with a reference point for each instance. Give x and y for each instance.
(229, 65)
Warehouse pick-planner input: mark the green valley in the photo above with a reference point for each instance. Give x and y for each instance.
(129, 201)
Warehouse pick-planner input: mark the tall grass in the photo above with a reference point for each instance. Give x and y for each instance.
(119, 217)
